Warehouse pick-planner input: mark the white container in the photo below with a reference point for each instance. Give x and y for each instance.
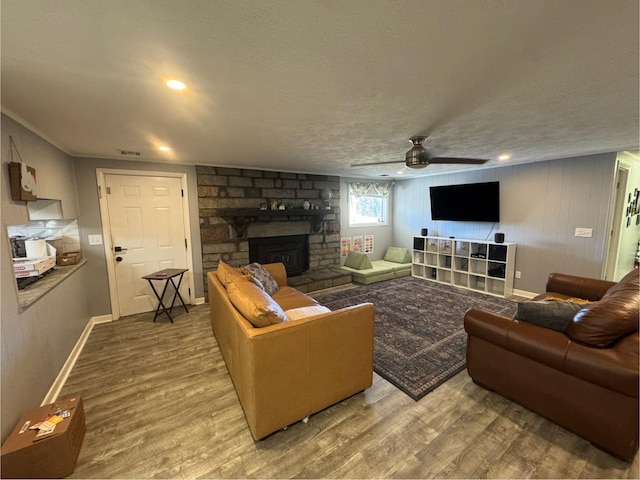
(35, 248)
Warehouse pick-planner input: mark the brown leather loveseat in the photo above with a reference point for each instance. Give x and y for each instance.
(584, 378)
(288, 368)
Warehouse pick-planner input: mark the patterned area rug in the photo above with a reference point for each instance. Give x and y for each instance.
(420, 340)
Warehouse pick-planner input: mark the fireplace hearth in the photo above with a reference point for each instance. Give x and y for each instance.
(291, 250)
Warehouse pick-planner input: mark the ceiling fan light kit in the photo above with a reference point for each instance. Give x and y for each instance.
(418, 157)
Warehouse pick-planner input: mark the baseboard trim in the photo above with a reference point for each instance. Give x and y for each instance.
(61, 379)
(101, 319)
(199, 301)
(524, 293)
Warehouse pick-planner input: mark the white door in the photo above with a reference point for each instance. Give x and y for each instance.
(147, 226)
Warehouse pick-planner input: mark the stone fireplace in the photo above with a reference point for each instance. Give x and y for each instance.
(230, 202)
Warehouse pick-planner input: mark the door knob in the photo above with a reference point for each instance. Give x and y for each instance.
(118, 259)
(118, 249)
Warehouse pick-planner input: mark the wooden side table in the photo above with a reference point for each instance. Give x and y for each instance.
(167, 275)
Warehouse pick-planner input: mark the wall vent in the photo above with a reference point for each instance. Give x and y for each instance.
(129, 153)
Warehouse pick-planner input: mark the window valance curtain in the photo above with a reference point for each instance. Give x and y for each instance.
(361, 189)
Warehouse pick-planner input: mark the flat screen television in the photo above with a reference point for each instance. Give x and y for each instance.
(469, 202)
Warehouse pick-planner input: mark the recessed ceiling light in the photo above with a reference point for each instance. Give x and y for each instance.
(504, 156)
(164, 149)
(176, 84)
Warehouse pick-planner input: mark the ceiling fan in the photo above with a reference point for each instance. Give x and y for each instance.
(418, 157)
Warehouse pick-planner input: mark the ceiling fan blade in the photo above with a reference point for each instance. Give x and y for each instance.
(468, 161)
(376, 163)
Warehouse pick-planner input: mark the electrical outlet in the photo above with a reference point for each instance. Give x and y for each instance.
(95, 239)
(518, 274)
(584, 232)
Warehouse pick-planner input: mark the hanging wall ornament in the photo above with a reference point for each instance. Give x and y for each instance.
(22, 177)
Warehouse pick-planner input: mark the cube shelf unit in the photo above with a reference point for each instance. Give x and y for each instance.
(477, 265)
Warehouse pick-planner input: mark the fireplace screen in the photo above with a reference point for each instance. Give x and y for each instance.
(292, 250)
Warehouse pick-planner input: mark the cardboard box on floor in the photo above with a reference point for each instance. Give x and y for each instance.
(51, 456)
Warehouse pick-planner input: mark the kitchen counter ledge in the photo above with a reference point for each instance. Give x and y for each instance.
(35, 291)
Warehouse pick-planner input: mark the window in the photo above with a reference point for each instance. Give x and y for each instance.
(368, 204)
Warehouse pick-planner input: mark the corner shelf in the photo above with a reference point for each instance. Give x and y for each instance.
(476, 265)
(243, 216)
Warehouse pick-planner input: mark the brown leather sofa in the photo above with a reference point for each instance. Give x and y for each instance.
(585, 378)
(287, 370)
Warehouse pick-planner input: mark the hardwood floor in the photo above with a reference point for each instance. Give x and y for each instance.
(159, 403)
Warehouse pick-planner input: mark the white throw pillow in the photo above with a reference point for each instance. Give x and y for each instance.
(304, 312)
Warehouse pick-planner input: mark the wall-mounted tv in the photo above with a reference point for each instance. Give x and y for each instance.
(469, 202)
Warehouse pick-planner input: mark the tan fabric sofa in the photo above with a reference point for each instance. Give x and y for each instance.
(286, 371)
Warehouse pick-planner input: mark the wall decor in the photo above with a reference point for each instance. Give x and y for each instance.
(357, 244)
(22, 178)
(368, 244)
(345, 246)
(633, 207)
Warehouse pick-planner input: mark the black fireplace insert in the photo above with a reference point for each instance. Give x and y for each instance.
(292, 250)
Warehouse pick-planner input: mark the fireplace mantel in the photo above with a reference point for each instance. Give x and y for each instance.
(243, 216)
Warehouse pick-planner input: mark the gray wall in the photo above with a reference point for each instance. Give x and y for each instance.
(541, 205)
(90, 222)
(382, 235)
(36, 342)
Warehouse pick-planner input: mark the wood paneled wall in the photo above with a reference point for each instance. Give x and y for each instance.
(541, 205)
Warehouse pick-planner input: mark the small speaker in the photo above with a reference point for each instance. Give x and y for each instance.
(424, 232)
(499, 237)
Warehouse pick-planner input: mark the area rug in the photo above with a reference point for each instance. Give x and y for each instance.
(420, 340)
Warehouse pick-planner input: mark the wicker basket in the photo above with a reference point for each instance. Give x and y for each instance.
(69, 258)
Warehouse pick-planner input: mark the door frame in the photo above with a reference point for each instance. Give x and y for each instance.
(611, 260)
(106, 228)
(625, 162)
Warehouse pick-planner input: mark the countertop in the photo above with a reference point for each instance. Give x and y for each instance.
(33, 292)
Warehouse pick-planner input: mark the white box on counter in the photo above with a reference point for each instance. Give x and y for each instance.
(31, 267)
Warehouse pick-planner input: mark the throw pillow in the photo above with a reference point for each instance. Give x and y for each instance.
(253, 279)
(260, 273)
(555, 315)
(254, 303)
(357, 261)
(397, 255)
(226, 272)
(614, 316)
(304, 312)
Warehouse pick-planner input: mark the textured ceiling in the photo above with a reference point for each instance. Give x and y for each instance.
(315, 86)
